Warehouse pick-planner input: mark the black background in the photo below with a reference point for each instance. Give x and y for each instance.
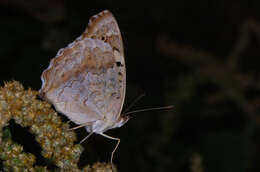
(200, 56)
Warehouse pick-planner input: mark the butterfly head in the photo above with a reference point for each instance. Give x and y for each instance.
(121, 121)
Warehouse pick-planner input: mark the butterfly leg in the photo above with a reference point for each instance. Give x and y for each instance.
(118, 142)
(86, 138)
(80, 126)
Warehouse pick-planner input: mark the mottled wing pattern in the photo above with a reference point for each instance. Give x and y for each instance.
(103, 26)
(86, 80)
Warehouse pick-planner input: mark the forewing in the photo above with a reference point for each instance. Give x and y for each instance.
(103, 26)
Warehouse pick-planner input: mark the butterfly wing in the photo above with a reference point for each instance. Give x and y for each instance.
(86, 80)
(103, 26)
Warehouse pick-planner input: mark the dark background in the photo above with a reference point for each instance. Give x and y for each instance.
(200, 56)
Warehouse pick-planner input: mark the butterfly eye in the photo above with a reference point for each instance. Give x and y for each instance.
(118, 64)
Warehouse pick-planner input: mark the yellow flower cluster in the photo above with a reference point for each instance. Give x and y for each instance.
(50, 132)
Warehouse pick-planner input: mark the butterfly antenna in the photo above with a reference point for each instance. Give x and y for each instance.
(149, 109)
(132, 104)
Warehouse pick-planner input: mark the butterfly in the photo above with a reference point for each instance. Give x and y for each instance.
(86, 81)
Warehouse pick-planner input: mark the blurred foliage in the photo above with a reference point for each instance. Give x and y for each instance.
(201, 56)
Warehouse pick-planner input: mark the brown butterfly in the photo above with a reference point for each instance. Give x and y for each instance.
(86, 81)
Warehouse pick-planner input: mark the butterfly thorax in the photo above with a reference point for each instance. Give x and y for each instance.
(101, 126)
